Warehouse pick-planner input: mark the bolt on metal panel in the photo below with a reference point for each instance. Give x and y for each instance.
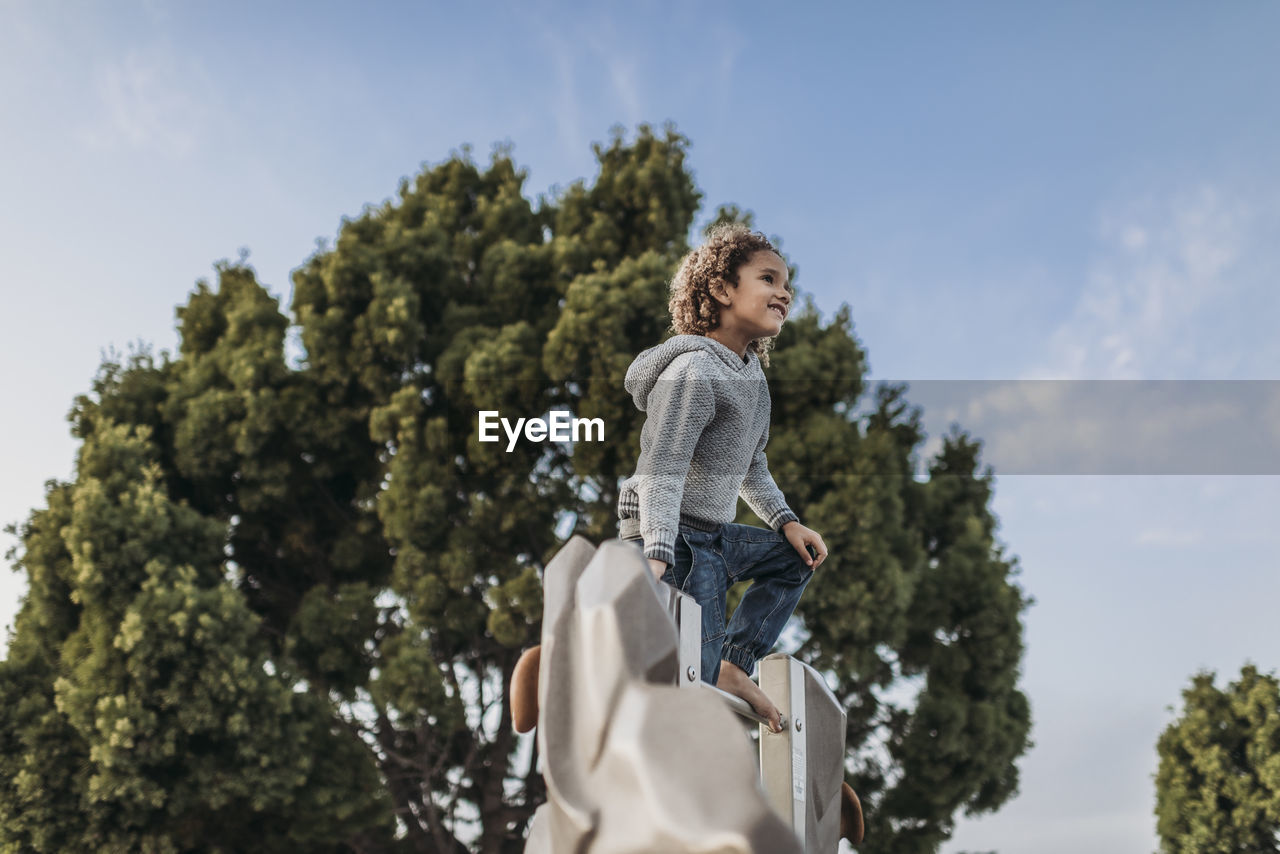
(686, 614)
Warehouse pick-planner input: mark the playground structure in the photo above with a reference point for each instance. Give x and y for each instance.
(640, 755)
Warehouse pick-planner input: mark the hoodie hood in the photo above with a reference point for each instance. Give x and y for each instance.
(649, 365)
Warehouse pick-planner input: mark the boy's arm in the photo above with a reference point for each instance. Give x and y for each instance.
(680, 406)
(762, 494)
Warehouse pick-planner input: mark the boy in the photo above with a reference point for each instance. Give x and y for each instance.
(702, 445)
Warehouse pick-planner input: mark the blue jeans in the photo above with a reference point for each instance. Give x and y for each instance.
(708, 563)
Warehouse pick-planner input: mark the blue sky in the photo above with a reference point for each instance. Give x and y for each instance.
(1000, 191)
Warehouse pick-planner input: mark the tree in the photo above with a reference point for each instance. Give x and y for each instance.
(357, 573)
(155, 724)
(1218, 783)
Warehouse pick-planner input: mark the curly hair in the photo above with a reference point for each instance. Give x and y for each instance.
(693, 310)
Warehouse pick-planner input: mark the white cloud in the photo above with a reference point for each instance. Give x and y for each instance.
(622, 74)
(616, 54)
(1168, 537)
(150, 102)
(1163, 295)
(731, 43)
(597, 69)
(567, 111)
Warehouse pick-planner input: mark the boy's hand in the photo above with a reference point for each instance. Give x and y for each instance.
(800, 537)
(658, 567)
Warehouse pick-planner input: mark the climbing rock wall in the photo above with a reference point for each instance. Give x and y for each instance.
(633, 763)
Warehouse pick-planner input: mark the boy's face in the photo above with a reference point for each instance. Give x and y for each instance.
(760, 304)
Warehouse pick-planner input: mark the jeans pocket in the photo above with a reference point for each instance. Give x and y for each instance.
(698, 571)
(692, 536)
(750, 534)
(686, 556)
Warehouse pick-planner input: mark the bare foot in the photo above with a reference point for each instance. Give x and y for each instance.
(736, 681)
(852, 826)
(524, 690)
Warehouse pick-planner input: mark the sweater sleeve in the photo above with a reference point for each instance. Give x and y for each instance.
(679, 407)
(761, 492)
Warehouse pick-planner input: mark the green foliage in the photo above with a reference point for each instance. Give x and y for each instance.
(156, 726)
(1218, 784)
(277, 606)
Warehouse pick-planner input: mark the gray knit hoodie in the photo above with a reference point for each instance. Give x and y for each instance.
(702, 444)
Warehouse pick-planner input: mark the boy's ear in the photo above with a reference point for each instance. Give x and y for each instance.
(719, 289)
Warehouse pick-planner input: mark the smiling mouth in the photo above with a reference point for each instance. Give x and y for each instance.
(782, 315)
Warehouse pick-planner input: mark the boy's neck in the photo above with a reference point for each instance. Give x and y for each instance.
(734, 342)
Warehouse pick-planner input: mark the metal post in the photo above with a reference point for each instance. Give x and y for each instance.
(687, 615)
(784, 755)
(802, 768)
